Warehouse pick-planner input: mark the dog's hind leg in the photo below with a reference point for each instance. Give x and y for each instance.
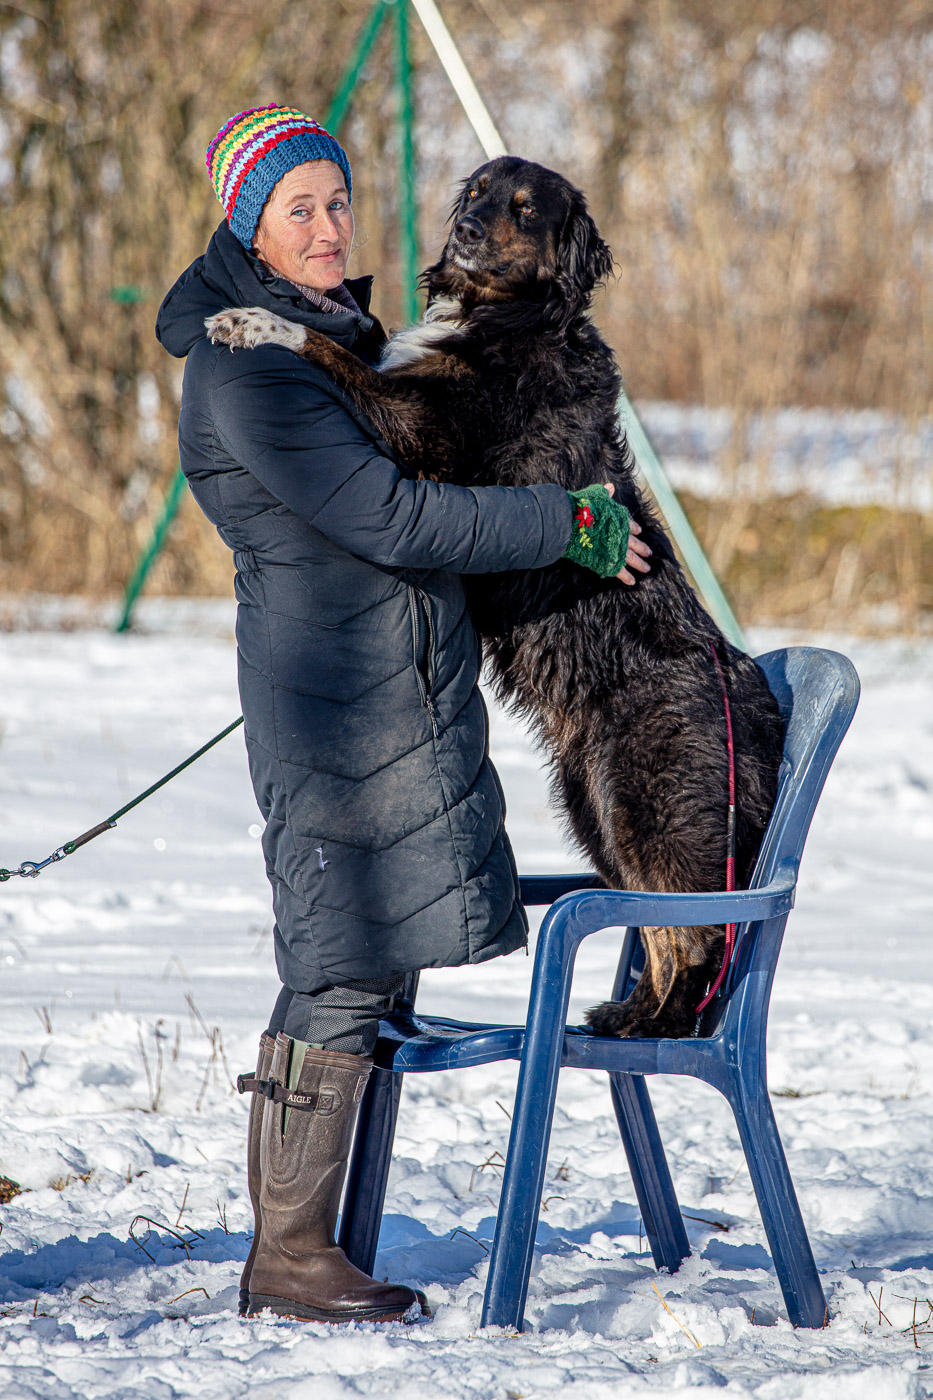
(662, 795)
(570, 796)
(679, 963)
(677, 959)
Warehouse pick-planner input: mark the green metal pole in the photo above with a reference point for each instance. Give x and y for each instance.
(407, 208)
(145, 561)
(664, 494)
(344, 95)
(176, 491)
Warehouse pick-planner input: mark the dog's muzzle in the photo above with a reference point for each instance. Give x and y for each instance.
(469, 230)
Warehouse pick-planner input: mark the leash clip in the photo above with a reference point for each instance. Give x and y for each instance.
(30, 869)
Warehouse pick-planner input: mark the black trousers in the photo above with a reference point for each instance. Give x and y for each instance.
(344, 1018)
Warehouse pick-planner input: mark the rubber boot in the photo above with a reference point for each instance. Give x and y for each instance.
(298, 1270)
(263, 1065)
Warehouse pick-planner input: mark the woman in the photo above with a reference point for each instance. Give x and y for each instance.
(358, 670)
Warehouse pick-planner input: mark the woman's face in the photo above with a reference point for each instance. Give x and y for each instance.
(306, 228)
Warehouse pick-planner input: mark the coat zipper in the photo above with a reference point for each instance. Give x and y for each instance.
(419, 606)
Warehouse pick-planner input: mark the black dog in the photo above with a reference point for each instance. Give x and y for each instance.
(507, 381)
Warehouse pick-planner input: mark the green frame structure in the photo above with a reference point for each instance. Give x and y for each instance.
(648, 461)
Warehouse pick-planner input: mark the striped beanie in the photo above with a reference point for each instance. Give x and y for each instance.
(253, 150)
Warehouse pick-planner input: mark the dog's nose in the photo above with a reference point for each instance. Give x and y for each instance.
(470, 230)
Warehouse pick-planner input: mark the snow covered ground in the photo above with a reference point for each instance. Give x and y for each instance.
(854, 457)
(136, 979)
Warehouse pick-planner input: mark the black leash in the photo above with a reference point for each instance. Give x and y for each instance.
(30, 868)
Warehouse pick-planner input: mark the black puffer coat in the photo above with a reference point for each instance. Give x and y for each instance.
(358, 664)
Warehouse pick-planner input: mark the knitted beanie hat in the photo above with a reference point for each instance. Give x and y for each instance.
(251, 153)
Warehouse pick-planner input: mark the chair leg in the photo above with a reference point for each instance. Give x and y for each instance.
(532, 1115)
(777, 1201)
(631, 964)
(519, 1204)
(651, 1175)
(368, 1172)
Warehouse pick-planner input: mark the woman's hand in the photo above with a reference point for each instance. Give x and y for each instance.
(637, 553)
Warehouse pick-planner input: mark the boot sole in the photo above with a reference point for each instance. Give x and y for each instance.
(288, 1307)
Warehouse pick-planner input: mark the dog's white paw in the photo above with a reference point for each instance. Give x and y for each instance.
(249, 326)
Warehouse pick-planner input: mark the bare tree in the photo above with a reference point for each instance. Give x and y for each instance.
(761, 168)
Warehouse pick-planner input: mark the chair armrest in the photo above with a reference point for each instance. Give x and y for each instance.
(544, 889)
(591, 910)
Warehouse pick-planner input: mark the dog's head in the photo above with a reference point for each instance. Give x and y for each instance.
(520, 232)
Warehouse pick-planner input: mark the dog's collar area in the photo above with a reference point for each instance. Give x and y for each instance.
(443, 318)
(444, 309)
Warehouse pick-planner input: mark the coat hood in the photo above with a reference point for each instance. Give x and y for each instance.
(228, 275)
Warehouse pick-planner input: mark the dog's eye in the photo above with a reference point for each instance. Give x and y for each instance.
(527, 209)
(471, 194)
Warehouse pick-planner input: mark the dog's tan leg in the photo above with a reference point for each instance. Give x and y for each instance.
(679, 962)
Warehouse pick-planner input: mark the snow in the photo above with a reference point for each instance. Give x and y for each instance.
(137, 975)
(855, 457)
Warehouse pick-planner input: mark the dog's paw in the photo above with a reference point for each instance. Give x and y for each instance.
(245, 327)
(618, 1019)
(609, 1018)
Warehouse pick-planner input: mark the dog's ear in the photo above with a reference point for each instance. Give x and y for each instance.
(583, 259)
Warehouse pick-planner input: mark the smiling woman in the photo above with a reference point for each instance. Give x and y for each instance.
(358, 665)
(305, 232)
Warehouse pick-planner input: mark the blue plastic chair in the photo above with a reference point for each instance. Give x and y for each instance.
(817, 692)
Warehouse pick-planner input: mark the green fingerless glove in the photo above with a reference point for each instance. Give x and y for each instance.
(599, 537)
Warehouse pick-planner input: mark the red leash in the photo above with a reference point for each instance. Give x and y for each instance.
(730, 839)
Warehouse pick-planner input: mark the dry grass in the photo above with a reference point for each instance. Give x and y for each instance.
(61, 1183)
(8, 1190)
(791, 561)
(759, 167)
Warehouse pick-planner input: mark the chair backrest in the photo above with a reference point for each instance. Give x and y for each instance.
(817, 691)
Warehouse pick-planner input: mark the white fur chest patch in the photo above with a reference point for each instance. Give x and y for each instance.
(441, 320)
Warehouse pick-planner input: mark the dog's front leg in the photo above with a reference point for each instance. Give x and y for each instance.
(245, 327)
(397, 411)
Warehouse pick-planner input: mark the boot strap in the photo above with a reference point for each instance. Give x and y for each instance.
(275, 1092)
